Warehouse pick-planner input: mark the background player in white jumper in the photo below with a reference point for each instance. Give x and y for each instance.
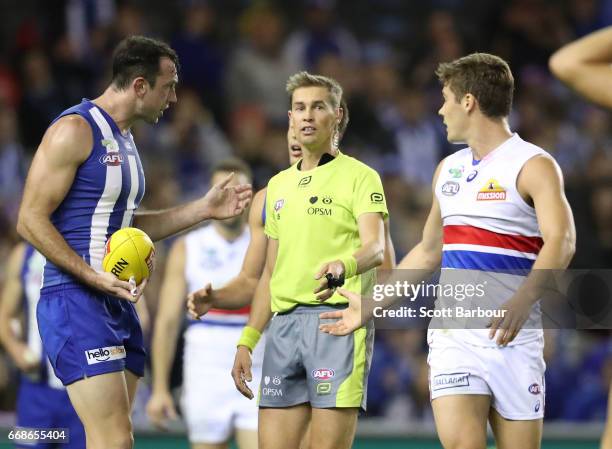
(214, 411)
(585, 65)
(498, 208)
(85, 183)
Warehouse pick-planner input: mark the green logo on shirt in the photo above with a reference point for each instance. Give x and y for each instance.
(456, 172)
(304, 181)
(377, 198)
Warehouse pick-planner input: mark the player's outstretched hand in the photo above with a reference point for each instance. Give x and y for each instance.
(348, 320)
(336, 269)
(241, 372)
(160, 409)
(223, 201)
(507, 327)
(109, 284)
(200, 301)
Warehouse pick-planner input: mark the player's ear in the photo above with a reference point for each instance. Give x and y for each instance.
(468, 102)
(140, 86)
(339, 115)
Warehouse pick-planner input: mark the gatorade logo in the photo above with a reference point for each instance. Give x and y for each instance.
(106, 354)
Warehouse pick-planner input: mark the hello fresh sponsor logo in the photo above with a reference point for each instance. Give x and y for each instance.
(106, 354)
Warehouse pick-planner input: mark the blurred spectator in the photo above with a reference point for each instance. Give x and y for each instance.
(419, 139)
(586, 16)
(588, 397)
(12, 163)
(531, 31)
(197, 42)
(441, 43)
(259, 70)
(321, 35)
(42, 98)
(9, 89)
(192, 142)
(83, 19)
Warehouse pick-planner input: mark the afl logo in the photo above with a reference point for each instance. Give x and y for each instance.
(323, 373)
(111, 159)
(450, 188)
(534, 389)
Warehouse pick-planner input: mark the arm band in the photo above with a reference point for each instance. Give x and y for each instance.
(249, 338)
(350, 266)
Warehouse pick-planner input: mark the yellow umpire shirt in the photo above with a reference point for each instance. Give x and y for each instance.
(313, 215)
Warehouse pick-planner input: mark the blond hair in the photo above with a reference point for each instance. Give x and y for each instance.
(305, 79)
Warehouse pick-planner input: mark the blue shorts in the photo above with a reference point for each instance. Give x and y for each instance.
(41, 407)
(86, 333)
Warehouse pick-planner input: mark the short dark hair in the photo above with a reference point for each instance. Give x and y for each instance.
(139, 56)
(233, 165)
(487, 77)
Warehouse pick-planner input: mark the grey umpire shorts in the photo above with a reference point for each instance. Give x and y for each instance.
(302, 364)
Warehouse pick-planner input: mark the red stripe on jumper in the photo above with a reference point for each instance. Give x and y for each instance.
(477, 236)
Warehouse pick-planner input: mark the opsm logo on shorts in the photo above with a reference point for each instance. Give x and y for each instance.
(104, 354)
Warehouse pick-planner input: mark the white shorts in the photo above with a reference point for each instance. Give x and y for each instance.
(212, 406)
(513, 376)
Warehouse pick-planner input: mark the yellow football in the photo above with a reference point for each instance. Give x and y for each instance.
(129, 252)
